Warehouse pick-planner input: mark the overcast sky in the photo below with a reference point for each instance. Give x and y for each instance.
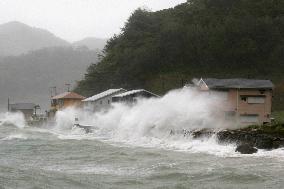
(76, 19)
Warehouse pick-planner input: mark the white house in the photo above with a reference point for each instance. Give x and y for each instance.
(132, 96)
(102, 100)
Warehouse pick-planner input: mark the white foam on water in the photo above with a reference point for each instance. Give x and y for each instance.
(275, 153)
(16, 119)
(99, 169)
(15, 137)
(149, 122)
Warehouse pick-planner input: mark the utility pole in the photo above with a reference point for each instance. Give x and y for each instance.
(50, 91)
(54, 89)
(68, 86)
(8, 104)
(36, 107)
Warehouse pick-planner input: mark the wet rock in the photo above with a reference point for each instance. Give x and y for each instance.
(255, 138)
(264, 143)
(202, 133)
(246, 149)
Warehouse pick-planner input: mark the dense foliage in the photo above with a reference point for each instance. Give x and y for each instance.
(201, 38)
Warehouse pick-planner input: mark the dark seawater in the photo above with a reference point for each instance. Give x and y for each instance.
(44, 158)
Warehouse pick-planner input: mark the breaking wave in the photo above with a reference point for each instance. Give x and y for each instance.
(179, 109)
(149, 122)
(16, 119)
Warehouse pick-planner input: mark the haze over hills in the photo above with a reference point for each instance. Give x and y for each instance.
(32, 60)
(17, 38)
(28, 78)
(91, 42)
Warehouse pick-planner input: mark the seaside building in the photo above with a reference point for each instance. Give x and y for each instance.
(247, 101)
(65, 100)
(102, 100)
(28, 109)
(132, 96)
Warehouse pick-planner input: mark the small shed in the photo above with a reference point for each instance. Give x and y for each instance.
(27, 109)
(132, 96)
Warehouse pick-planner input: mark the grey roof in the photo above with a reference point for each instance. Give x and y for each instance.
(213, 83)
(22, 106)
(104, 94)
(133, 92)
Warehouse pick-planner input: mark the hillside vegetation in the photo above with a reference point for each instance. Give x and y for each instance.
(201, 38)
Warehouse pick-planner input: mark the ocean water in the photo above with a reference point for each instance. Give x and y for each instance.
(40, 158)
(130, 147)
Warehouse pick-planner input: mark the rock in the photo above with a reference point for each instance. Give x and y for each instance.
(246, 149)
(264, 143)
(276, 143)
(202, 133)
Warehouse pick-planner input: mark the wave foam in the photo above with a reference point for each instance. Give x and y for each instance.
(16, 119)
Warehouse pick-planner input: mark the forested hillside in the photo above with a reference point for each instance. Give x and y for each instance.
(201, 38)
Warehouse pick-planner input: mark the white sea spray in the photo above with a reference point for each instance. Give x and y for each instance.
(16, 119)
(148, 123)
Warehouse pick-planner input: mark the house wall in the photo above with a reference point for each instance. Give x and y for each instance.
(27, 112)
(101, 104)
(241, 111)
(243, 108)
(66, 103)
(132, 98)
(71, 103)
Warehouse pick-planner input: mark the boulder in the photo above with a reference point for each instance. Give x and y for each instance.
(264, 143)
(246, 149)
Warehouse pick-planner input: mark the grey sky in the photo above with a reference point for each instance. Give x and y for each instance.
(76, 19)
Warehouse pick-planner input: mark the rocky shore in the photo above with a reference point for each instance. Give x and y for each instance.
(252, 138)
(248, 140)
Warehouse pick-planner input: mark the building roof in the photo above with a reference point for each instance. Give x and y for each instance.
(213, 83)
(103, 94)
(22, 106)
(68, 95)
(133, 92)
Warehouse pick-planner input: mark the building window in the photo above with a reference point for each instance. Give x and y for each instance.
(249, 118)
(262, 91)
(243, 98)
(253, 99)
(256, 100)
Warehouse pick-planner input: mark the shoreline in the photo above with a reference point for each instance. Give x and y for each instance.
(248, 140)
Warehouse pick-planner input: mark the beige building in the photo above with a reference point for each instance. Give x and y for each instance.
(246, 101)
(65, 100)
